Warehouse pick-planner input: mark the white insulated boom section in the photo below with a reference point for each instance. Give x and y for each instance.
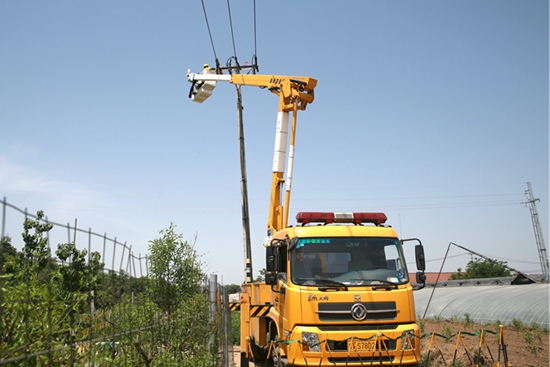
(281, 139)
(288, 181)
(208, 77)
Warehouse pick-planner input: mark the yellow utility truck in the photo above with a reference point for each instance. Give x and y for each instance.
(337, 289)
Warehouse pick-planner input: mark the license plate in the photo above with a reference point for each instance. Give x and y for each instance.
(361, 346)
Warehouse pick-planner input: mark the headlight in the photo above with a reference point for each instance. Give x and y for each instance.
(407, 339)
(311, 342)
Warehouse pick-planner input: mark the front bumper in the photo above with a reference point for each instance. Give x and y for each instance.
(395, 346)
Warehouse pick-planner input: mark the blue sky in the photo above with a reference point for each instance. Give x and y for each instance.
(434, 112)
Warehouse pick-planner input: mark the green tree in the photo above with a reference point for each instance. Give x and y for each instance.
(174, 268)
(478, 268)
(78, 280)
(233, 288)
(261, 277)
(31, 320)
(8, 255)
(36, 250)
(176, 307)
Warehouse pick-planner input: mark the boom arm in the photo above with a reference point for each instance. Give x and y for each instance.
(295, 93)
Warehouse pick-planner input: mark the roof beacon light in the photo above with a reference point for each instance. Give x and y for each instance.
(330, 217)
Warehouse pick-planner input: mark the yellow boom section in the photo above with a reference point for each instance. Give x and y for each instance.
(292, 90)
(295, 93)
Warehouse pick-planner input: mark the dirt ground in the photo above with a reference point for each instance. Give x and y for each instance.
(525, 346)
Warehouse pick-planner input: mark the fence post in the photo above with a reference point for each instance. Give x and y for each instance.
(3, 217)
(226, 327)
(212, 347)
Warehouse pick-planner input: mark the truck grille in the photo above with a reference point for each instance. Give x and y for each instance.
(342, 311)
(357, 327)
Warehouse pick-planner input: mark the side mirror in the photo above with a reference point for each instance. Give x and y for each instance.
(271, 259)
(420, 259)
(271, 265)
(420, 278)
(270, 278)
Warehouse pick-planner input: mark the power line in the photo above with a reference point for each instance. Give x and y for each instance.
(255, 57)
(237, 68)
(209, 32)
(231, 26)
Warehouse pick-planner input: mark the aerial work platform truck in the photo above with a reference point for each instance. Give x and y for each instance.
(337, 290)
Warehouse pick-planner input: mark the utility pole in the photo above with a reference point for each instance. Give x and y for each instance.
(244, 191)
(543, 257)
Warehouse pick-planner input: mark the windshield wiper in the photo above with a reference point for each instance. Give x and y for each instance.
(385, 283)
(326, 281)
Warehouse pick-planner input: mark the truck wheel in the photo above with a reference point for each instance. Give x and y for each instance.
(259, 356)
(244, 360)
(278, 361)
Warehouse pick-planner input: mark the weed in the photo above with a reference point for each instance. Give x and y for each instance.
(530, 340)
(437, 318)
(517, 324)
(421, 325)
(528, 336)
(539, 333)
(467, 320)
(447, 331)
(425, 361)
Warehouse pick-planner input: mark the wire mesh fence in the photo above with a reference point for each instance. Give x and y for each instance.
(73, 297)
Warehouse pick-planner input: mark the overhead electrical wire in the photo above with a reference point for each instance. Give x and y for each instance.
(209, 32)
(231, 27)
(229, 64)
(255, 57)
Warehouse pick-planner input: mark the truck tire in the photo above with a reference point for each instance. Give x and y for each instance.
(244, 360)
(259, 357)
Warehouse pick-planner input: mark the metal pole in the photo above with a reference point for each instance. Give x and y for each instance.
(226, 323)
(3, 217)
(213, 312)
(543, 256)
(244, 191)
(437, 280)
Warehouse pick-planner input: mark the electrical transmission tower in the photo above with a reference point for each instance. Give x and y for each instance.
(538, 231)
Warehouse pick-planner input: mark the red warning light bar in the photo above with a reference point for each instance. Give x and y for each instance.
(331, 217)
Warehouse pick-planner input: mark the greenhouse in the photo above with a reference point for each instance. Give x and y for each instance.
(486, 301)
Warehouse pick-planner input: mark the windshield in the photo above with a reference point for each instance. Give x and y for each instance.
(350, 261)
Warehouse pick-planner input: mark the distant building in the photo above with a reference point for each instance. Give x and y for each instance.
(432, 277)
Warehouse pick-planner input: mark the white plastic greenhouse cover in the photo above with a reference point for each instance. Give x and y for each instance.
(487, 304)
